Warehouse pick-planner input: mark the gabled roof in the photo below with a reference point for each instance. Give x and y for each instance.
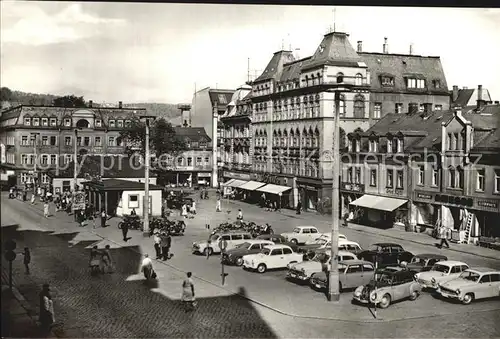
(275, 66)
(192, 134)
(335, 50)
(491, 142)
(400, 66)
(463, 97)
(112, 167)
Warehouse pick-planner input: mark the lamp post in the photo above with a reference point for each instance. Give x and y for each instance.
(35, 174)
(145, 205)
(75, 167)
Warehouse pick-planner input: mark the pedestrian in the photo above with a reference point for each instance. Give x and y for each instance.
(218, 207)
(299, 207)
(133, 212)
(33, 202)
(445, 234)
(107, 263)
(104, 218)
(25, 195)
(27, 259)
(125, 231)
(184, 212)
(46, 209)
(188, 296)
(193, 207)
(165, 246)
(240, 214)
(157, 244)
(147, 268)
(46, 316)
(95, 260)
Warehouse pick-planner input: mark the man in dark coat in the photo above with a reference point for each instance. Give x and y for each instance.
(125, 231)
(299, 206)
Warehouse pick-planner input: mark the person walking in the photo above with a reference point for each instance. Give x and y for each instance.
(165, 246)
(147, 268)
(33, 197)
(125, 231)
(299, 207)
(184, 212)
(157, 244)
(218, 207)
(25, 195)
(444, 234)
(193, 207)
(240, 214)
(46, 209)
(46, 315)
(27, 259)
(188, 296)
(104, 217)
(107, 263)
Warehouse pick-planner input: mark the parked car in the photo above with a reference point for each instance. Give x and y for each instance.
(326, 236)
(304, 270)
(472, 284)
(388, 286)
(271, 257)
(278, 239)
(323, 242)
(344, 245)
(423, 262)
(211, 246)
(352, 273)
(440, 273)
(385, 254)
(235, 256)
(301, 234)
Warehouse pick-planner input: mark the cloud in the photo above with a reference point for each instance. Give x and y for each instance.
(34, 26)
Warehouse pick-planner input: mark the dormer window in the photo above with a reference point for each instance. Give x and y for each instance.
(111, 123)
(128, 123)
(389, 145)
(415, 83)
(67, 122)
(119, 123)
(53, 122)
(98, 122)
(36, 121)
(45, 122)
(27, 121)
(400, 145)
(387, 81)
(340, 78)
(349, 145)
(373, 145)
(436, 83)
(358, 79)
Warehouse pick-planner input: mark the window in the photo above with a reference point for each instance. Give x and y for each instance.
(373, 177)
(377, 110)
(67, 141)
(387, 81)
(460, 177)
(359, 106)
(415, 83)
(119, 124)
(349, 175)
(79, 141)
(45, 140)
(53, 159)
(222, 99)
(45, 159)
(390, 179)
(111, 123)
(495, 277)
(277, 251)
(98, 122)
(373, 146)
(342, 106)
(400, 176)
(27, 121)
(389, 145)
(497, 181)
(247, 236)
(354, 269)
(358, 79)
(86, 141)
(53, 122)
(53, 140)
(400, 145)
(198, 161)
(24, 159)
(421, 175)
(485, 279)
(438, 107)
(357, 175)
(207, 160)
(340, 78)
(237, 237)
(437, 83)
(435, 177)
(67, 122)
(45, 122)
(36, 121)
(287, 251)
(480, 180)
(133, 201)
(111, 141)
(451, 178)
(97, 141)
(24, 140)
(190, 161)
(180, 161)
(398, 108)
(449, 141)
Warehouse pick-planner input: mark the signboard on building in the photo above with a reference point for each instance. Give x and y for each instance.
(79, 201)
(352, 187)
(234, 175)
(397, 191)
(424, 196)
(488, 204)
(454, 200)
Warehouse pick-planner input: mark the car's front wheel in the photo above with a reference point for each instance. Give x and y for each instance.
(385, 302)
(468, 298)
(239, 261)
(208, 251)
(261, 268)
(413, 295)
(294, 241)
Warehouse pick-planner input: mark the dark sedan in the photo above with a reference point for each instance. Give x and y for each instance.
(424, 262)
(385, 254)
(278, 239)
(235, 256)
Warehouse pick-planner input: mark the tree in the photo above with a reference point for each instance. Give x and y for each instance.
(70, 101)
(163, 141)
(5, 94)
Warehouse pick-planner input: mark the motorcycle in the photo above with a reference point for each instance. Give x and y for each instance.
(133, 223)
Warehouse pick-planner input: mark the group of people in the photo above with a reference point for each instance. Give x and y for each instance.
(188, 209)
(100, 260)
(162, 242)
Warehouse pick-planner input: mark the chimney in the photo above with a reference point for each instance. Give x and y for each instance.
(385, 46)
(90, 103)
(497, 102)
(480, 101)
(120, 104)
(360, 46)
(454, 96)
(411, 49)
(465, 87)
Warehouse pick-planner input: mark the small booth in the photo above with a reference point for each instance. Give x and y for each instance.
(276, 192)
(381, 210)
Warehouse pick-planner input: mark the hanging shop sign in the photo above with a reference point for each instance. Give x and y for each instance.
(235, 175)
(424, 196)
(397, 191)
(352, 187)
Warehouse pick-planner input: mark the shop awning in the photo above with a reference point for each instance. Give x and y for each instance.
(273, 189)
(204, 175)
(227, 183)
(378, 203)
(252, 185)
(236, 183)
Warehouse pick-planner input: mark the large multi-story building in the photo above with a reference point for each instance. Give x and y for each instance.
(50, 133)
(428, 168)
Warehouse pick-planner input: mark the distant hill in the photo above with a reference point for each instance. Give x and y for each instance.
(12, 98)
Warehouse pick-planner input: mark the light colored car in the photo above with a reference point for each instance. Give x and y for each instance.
(235, 256)
(271, 257)
(304, 270)
(352, 273)
(441, 272)
(325, 236)
(211, 246)
(387, 286)
(301, 234)
(472, 284)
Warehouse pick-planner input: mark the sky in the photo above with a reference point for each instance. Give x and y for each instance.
(150, 52)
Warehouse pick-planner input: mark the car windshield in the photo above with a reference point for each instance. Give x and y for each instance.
(417, 260)
(244, 245)
(440, 268)
(296, 230)
(472, 276)
(373, 248)
(214, 237)
(265, 251)
(383, 279)
(321, 257)
(321, 241)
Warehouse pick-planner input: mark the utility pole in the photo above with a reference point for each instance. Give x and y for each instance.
(333, 288)
(146, 200)
(75, 165)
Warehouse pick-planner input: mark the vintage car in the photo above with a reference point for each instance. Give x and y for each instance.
(303, 271)
(388, 286)
(344, 245)
(385, 254)
(423, 262)
(326, 236)
(235, 256)
(301, 234)
(278, 239)
(321, 242)
(210, 246)
(271, 257)
(472, 284)
(440, 273)
(352, 273)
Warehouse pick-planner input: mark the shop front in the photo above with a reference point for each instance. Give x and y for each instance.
(349, 192)
(488, 215)
(425, 212)
(381, 211)
(279, 190)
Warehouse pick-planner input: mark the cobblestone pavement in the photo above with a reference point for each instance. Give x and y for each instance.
(121, 305)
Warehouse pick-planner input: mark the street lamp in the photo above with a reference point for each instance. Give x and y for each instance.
(35, 174)
(145, 205)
